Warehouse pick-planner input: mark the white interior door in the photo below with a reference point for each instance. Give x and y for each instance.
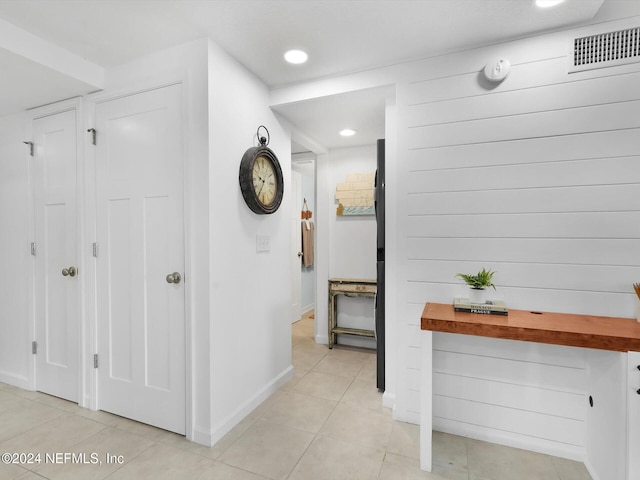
(140, 263)
(296, 245)
(56, 289)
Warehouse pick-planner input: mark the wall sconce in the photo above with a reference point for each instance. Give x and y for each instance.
(497, 70)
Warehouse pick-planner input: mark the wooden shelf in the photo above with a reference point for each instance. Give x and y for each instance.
(353, 331)
(587, 331)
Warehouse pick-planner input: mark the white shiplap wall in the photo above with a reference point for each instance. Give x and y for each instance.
(537, 178)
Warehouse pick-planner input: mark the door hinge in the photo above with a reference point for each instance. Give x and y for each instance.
(95, 249)
(95, 360)
(30, 147)
(93, 132)
(34, 347)
(33, 248)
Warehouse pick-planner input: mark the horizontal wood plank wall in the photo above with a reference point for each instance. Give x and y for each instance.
(532, 395)
(537, 178)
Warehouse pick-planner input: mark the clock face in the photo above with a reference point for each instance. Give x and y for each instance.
(264, 180)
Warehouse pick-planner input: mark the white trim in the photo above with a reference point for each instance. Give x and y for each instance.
(18, 381)
(201, 436)
(591, 470)
(426, 401)
(91, 333)
(571, 452)
(389, 400)
(31, 220)
(176, 76)
(224, 427)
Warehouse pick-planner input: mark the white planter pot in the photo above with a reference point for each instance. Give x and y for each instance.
(478, 295)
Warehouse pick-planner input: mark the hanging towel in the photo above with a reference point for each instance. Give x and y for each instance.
(307, 243)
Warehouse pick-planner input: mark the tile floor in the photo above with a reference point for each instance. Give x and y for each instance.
(327, 423)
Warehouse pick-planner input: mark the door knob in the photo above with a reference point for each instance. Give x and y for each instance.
(300, 254)
(174, 277)
(69, 272)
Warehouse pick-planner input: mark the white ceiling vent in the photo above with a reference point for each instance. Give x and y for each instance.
(605, 50)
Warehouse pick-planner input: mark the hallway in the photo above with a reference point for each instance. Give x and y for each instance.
(327, 423)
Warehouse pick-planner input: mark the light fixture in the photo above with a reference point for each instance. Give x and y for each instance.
(347, 132)
(548, 3)
(296, 56)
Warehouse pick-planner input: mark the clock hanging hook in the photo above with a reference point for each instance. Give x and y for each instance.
(264, 141)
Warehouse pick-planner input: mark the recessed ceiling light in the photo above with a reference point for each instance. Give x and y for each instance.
(296, 56)
(347, 132)
(548, 3)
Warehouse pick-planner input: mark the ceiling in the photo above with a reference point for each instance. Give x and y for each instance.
(340, 36)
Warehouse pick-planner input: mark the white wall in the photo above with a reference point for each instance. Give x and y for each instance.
(250, 291)
(15, 238)
(536, 178)
(353, 238)
(346, 243)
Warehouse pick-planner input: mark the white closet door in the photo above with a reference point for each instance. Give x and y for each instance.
(56, 276)
(140, 263)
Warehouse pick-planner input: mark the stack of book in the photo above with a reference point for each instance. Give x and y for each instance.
(492, 307)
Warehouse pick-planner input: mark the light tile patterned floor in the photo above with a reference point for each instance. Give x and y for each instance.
(327, 423)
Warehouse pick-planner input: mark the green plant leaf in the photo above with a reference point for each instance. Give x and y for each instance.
(482, 279)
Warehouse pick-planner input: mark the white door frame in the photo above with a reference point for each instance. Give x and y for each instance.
(90, 210)
(296, 247)
(44, 111)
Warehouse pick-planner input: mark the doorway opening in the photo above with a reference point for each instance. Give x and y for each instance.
(345, 245)
(303, 233)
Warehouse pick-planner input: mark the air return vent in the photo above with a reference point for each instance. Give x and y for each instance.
(606, 50)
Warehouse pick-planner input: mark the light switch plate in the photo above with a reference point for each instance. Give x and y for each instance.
(263, 243)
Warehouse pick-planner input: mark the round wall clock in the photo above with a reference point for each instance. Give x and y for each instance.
(260, 178)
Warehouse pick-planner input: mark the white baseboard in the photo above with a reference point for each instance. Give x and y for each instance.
(571, 452)
(405, 416)
(591, 470)
(210, 438)
(15, 380)
(307, 308)
(324, 339)
(389, 400)
(201, 436)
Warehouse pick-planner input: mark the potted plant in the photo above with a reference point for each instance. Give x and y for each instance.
(478, 284)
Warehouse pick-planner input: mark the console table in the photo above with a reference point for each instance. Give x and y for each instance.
(613, 384)
(349, 287)
(587, 331)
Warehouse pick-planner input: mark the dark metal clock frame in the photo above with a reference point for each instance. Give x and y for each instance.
(246, 177)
